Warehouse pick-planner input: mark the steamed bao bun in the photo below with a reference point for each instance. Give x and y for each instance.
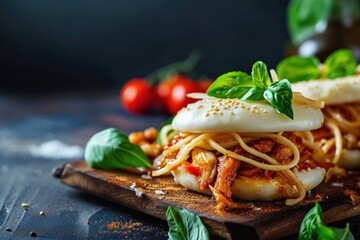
(255, 189)
(331, 91)
(344, 90)
(234, 115)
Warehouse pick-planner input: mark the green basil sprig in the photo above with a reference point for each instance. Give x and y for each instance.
(185, 225)
(256, 87)
(111, 149)
(304, 17)
(182, 67)
(313, 227)
(340, 63)
(231, 85)
(298, 68)
(279, 96)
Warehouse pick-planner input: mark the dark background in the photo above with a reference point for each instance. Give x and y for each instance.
(90, 44)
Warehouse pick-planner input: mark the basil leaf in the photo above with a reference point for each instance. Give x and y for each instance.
(260, 75)
(343, 233)
(307, 17)
(231, 85)
(185, 225)
(329, 233)
(237, 92)
(312, 227)
(298, 68)
(111, 149)
(256, 87)
(310, 223)
(279, 96)
(339, 64)
(325, 233)
(254, 94)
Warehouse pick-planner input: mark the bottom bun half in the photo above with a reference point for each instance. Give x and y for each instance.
(256, 189)
(350, 159)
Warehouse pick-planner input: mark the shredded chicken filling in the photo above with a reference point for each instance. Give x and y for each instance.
(219, 171)
(340, 131)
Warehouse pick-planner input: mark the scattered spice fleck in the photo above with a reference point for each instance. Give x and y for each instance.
(131, 225)
(113, 225)
(33, 234)
(124, 227)
(354, 197)
(319, 196)
(8, 229)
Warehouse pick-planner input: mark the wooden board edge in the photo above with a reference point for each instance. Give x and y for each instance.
(71, 177)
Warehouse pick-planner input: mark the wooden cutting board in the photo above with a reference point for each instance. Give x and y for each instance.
(268, 220)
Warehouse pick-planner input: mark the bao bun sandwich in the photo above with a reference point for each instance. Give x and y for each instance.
(339, 138)
(340, 135)
(236, 148)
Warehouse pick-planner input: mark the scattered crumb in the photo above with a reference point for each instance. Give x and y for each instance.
(25, 205)
(41, 213)
(145, 176)
(337, 184)
(139, 191)
(160, 192)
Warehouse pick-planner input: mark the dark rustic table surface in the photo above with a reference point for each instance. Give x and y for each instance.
(38, 133)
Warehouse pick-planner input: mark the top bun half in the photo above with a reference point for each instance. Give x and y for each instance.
(234, 115)
(331, 91)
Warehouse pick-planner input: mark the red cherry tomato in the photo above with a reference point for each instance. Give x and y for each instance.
(177, 98)
(162, 92)
(172, 101)
(164, 88)
(136, 96)
(205, 84)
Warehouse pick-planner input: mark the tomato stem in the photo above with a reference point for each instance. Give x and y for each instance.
(174, 68)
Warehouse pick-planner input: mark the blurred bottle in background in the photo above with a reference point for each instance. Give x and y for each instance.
(319, 27)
